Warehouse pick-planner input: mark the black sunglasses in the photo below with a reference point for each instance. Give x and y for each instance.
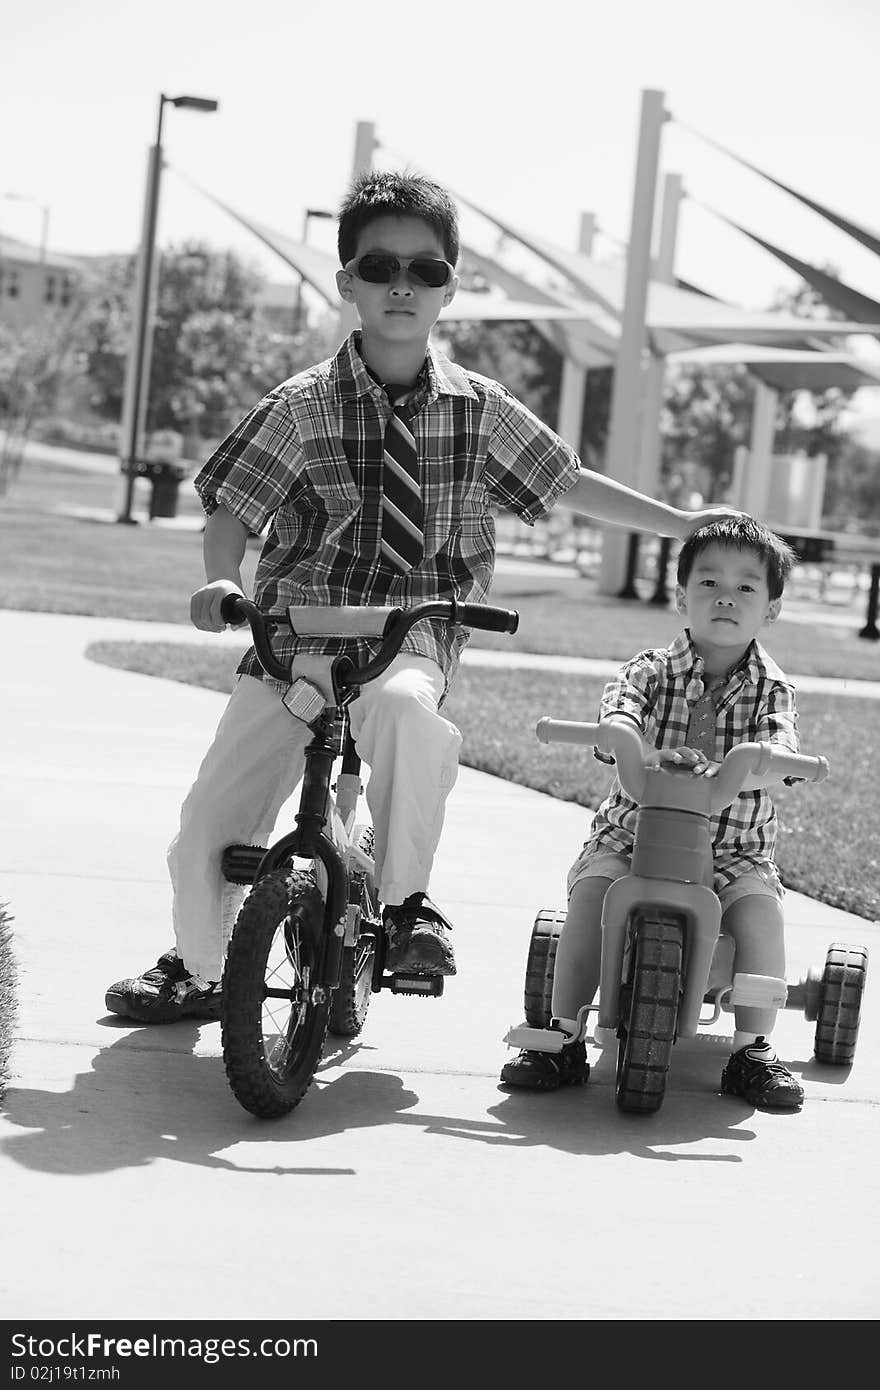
(380, 268)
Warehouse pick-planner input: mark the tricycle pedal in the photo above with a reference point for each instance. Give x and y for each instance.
(426, 985)
(536, 1039)
(241, 862)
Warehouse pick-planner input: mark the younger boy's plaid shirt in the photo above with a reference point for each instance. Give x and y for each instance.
(656, 690)
(308, 459)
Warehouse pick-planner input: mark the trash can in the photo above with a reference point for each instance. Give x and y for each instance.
(164, 480)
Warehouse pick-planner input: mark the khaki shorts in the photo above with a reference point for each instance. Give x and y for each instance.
(761, 882)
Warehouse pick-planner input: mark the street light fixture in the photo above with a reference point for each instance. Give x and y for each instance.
(137, 378)
(44, 229)
(307, 216)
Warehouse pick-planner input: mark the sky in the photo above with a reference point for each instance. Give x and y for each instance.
(528, 107)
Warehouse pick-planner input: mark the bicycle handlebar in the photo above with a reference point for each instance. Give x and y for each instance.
(624, 743)
(391, 624)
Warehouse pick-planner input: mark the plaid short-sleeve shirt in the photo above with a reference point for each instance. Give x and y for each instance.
(306, 464)
(656, 690)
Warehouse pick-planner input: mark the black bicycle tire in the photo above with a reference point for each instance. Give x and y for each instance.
(540, 967)
(840, 1004)
(649, 1012)
(351, 998)
(267, 1092)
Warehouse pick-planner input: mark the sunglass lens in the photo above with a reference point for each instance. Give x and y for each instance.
(426, 271)
(377, 269)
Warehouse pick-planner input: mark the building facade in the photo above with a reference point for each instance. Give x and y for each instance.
(35, 284)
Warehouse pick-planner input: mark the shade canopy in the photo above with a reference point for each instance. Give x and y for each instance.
(785, 370)
(584, 317)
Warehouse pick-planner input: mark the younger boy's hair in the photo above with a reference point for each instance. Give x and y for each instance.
(387, 194)
(740, 533)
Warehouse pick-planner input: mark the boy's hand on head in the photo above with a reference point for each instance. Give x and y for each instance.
(204, 606)
(692, 520)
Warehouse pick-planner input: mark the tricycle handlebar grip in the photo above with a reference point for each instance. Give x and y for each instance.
(567, 731)
(488, 619)
(800, 765)
(759, 759)
(623, 742)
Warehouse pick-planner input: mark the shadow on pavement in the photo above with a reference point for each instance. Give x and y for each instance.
(143, 1101)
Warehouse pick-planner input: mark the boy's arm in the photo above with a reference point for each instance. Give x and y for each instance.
(224, 544)
(605, 500)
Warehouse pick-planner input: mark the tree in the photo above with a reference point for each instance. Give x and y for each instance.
(34, 363)
(212, 356)
(811, 420)
(515, 354)
(705, 416)
(104, 338)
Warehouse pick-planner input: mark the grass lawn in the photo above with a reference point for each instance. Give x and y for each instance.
(828, 843)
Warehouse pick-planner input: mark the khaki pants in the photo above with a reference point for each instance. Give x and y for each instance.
(256, 761)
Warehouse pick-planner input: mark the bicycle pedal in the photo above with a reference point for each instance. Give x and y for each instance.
(240, 863)
(427, 985)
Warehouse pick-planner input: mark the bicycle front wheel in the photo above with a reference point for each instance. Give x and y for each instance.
(273, 1029)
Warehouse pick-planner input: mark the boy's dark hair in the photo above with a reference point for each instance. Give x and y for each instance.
(740, 533)
(388, 194)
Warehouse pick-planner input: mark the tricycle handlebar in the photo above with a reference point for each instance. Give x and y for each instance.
(623, 742)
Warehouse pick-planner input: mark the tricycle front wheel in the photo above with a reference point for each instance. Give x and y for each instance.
(649, 999)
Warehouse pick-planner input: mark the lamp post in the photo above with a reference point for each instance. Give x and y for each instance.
(307, 216)
(137, 377)
(44, 225)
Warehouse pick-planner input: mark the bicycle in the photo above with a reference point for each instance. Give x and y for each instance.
(663, 955)
(307, 950)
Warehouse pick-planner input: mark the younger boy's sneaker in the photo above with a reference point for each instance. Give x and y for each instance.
(547, 1071)
(419, 938)
(164, 994)
(756, 1075)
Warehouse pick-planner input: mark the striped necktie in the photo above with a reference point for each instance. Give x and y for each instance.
(402, 514)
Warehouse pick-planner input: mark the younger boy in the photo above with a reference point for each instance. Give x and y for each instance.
(375, 473)
(731, 574)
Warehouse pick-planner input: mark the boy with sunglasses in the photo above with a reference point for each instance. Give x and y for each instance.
(375, 473)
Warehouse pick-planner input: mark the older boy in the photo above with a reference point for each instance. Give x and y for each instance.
(375, 473)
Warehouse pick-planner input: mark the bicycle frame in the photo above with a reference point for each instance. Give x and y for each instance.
(324, 825)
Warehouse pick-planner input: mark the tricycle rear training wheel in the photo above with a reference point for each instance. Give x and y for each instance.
(649, 999)
(840, 1003)
(540, 966)
(272, 1043)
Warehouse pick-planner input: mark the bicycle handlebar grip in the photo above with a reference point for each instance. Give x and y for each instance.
(487, 619)
(234, 609)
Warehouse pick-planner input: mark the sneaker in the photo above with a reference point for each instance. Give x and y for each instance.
(419, 941)
(755, 1074)
(164, 994)
(547, 1071)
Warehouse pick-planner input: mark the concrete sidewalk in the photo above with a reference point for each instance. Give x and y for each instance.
(125, 1160)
